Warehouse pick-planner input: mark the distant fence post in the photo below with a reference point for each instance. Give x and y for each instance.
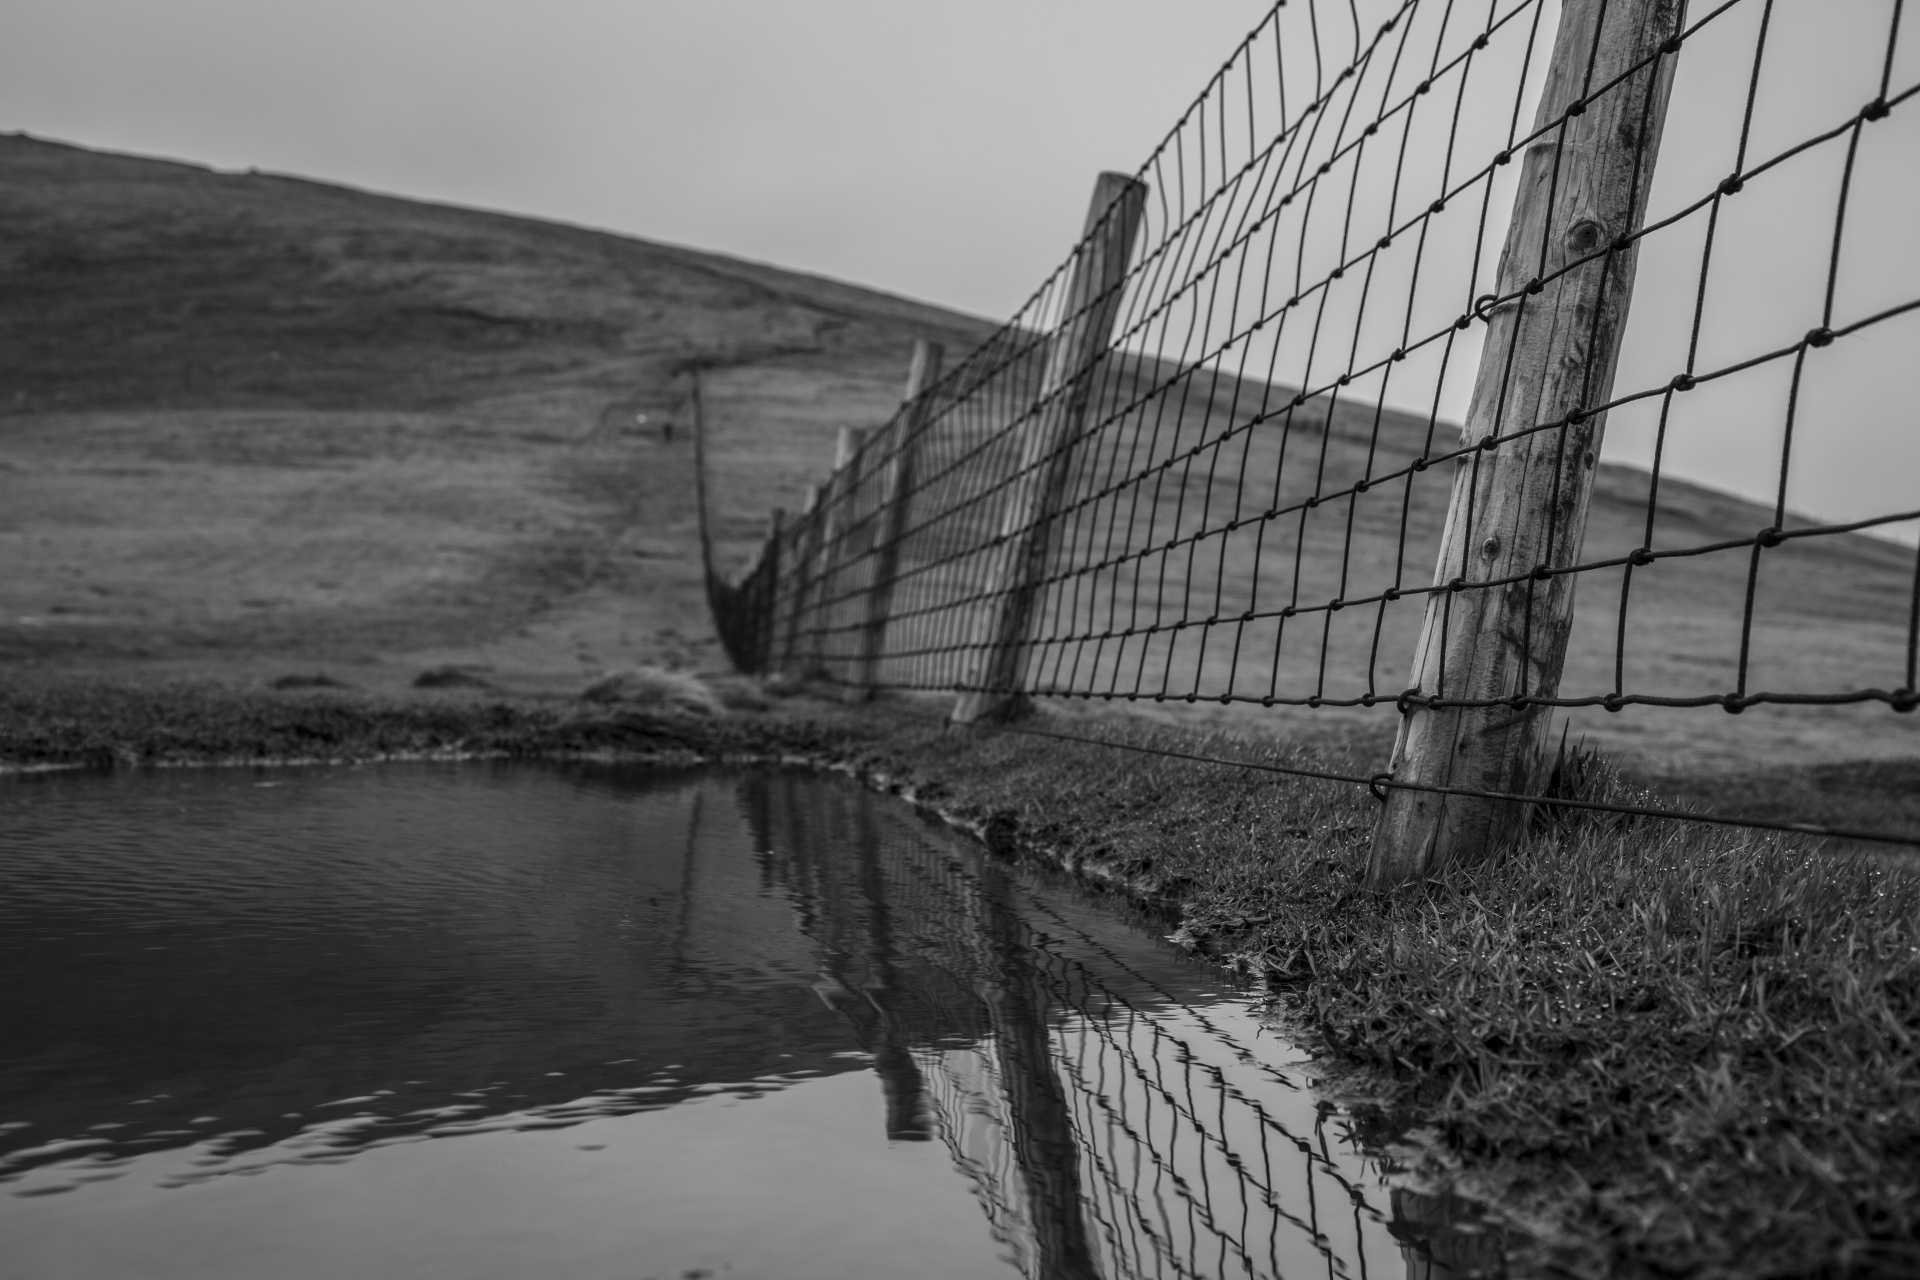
(806, 557)
(1033, 498)
(895, 503)
(1519, 509)
(740, 609)
(767, 596)
(817, 558)
(841, 518)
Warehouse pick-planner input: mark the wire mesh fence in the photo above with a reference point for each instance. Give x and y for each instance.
(1105, 1123)
(1217, 457)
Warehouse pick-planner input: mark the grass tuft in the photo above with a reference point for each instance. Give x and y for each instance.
(655, 689)
(107, 725)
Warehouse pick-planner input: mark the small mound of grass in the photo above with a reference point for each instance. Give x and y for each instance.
(449, 678)
(654, 689)
(309, 680)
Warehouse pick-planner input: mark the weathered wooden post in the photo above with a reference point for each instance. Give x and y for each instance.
(1039, 485)
(895, 506)
(820, 558)
(767, 591)
(840, 516)
(806, 560)
(1520, 509)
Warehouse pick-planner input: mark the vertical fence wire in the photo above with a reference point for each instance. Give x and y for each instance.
(1254, 500)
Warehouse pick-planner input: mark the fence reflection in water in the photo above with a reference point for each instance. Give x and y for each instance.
(1115, 1115)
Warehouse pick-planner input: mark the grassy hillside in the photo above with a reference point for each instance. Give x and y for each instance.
(255, 426)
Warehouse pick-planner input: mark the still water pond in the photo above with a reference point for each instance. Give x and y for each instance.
(506, 1021)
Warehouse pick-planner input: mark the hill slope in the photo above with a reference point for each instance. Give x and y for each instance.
(255, 426)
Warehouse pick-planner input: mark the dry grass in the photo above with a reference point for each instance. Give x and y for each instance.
(105, 725)
(1711, 1034)
(1872, 795)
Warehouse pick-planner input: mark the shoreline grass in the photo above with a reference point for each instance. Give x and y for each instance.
(1669, 1050)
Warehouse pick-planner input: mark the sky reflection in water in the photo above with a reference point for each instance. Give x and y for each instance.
(746, 1024)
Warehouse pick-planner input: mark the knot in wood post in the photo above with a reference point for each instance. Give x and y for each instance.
(1492, 647)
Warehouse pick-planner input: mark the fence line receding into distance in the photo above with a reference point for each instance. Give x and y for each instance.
(1215, 457)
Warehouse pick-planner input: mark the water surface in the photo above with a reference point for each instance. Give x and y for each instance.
(586, 1021)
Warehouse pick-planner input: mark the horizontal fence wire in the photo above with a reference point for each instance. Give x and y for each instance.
(1251, 497)
(1379, 783)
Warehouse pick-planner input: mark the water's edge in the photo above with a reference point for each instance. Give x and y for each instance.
(1427, 1170)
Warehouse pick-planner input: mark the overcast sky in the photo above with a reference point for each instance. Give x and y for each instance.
(939, 151)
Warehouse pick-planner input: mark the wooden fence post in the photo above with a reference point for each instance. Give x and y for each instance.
(840, 519)
(821, 557)
(895, 504)
(767, 590)
(1033, 498)
(1521, 508)
(805, 560)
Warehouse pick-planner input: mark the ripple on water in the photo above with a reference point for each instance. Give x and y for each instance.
(479, 1019)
